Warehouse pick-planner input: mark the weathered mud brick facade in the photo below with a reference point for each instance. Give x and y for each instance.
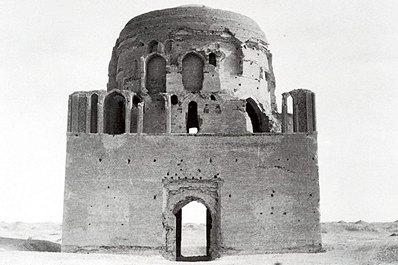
(190, 114)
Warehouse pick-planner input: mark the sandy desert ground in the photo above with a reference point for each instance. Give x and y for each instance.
(344, 243)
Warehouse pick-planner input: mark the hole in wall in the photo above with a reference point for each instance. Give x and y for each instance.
(212, 97)
(153, 46)
(136, 100)
(174, 99)
(212, 59)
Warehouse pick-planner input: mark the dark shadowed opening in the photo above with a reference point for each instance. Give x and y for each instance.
(212, 59)
(156, 75)
(259, 121)
(192, 117)
(193, 238)
(134, 115)
(153, 46)
(174, 99)
(192, 72)
(114, 114)
(94, 114)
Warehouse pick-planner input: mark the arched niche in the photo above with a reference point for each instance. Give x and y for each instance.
(155, 114)
(192, 72)
(259, 121)
(114, 113)
(134, 114)
(156, 74)
(213, 59)
(153, 46)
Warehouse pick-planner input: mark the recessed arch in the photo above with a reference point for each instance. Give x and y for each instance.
(192, 72)
(114, 113)
(156, 74)
(155, 114)
(134, 114)
(259, 121)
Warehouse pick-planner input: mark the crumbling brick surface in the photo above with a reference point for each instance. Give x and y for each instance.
(121, 191)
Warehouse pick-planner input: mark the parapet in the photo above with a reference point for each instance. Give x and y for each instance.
(122, 111)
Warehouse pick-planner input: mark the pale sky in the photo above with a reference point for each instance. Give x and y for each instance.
(344, 51)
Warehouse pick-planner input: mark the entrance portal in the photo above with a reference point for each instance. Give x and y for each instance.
(177, 195)
(193, 226)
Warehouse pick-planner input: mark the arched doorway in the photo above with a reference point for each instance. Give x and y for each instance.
(192, 118)
(193, 237)
(259, 121)
(179, 193)
(114, 114)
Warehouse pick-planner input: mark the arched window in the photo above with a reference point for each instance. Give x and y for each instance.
(114, 114)
(134, 114)
(156, 74)
(212, 59)
(94, 114)
(188, 248)
(192, 118)
(153, 46)
(259, 121)
(289, 103)
(192, 72)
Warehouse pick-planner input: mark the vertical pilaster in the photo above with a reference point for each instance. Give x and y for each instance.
(88, 113)
(284, 113)
(313, 112)
(309, 107)
(69, 127)
(140, 120)
(128, 113)
(101, 99)
(74, 112)
(167, 98)
(296, 118)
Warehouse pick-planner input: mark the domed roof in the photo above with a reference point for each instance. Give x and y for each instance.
(197, 18)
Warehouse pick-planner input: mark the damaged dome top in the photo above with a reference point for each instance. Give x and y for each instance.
(198, 18)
